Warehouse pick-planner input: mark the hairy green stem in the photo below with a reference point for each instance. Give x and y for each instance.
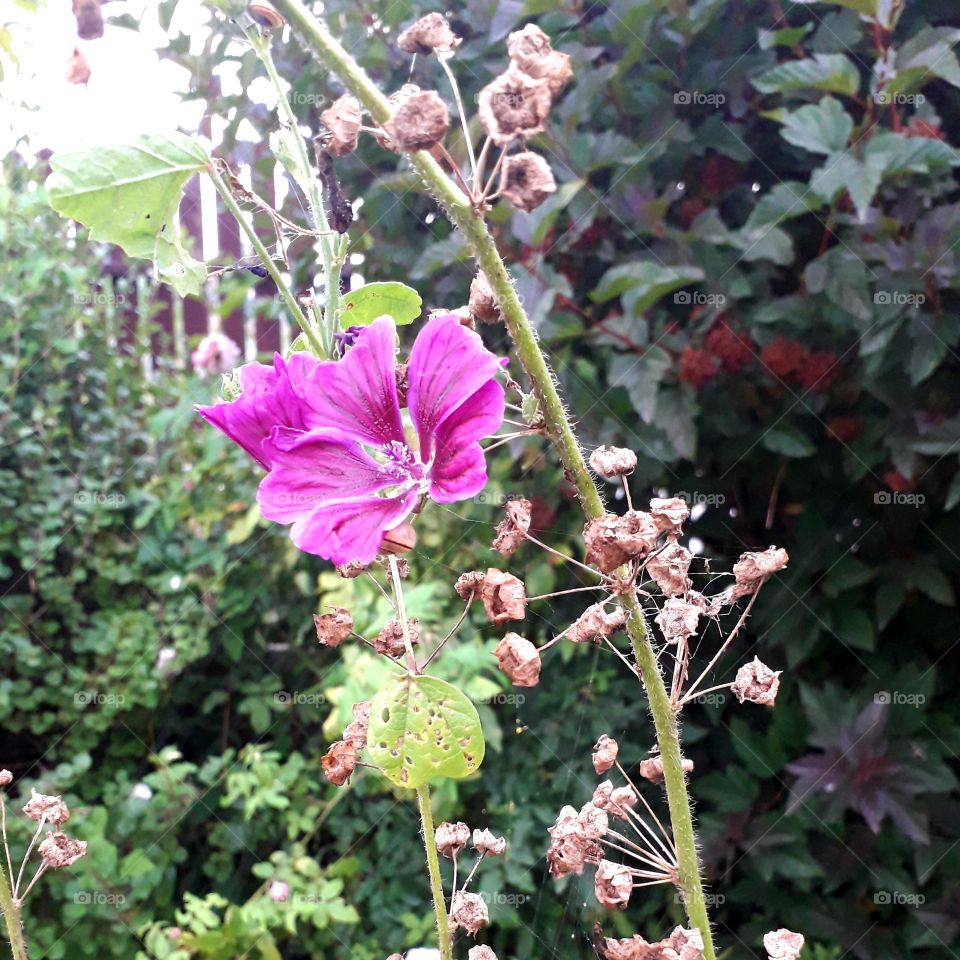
(288, 298)
(433, 868)
(11, 918)
(560, 432)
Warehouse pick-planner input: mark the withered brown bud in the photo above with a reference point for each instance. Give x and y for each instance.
(757, 683)
(482, 952)
(343, 120)
(504, 596)
(621, 799)
(5, 777)
(605, 753)
(483, 304)
(610, 462)
(592, 822)
(46, 809)
(489, 843)
(469, 910)
(678, 620)
(512, 529)
(652, 768)
(334, 627)
(89, 19)
(389, 640)
(59, 850)
(469, 585)
(752, 569)
(532, 53)
(526, 180)
(396, 100)
(783, 944)
(569, 848)
(669, 514)
(680, 945)
(613, 884)
(401, 539)
(78, 70)
(419, 123)
(669, 569)
(514, 105)
(355, 732)
(611, 540)
(351, 570)
(451, 838)
(519, 659)
(595, 623)
(265, 15)
(339, 762)
(429, 33)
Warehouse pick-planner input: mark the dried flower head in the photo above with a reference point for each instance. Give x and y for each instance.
(622, 799)
(592, 822)
(5, 777)
(668, 567)
(605, 753)
(513, 528)
(334, 627)
(610, 462)
(451, 838)
(519, 659)
(483, 304)
(429, 33)
(611, 540)
(339, 762)
(753, 568)
(389, 640)
(595, 623)
(489, 843)
(757, 683)
(469, 910)
(514, 105)
(59, 850)
(680, 945)
(532, 53)
(652, 768)
(343, 119)
(46, 809)
(351, 570)
(613, 884)
(481, 953)
(504, 596)
(783, 944)
(570, 849)
(396, 100)
(356, 731)
(669, 515)
(470, 585)
(419, 123)
(678, 620)
(526, 180)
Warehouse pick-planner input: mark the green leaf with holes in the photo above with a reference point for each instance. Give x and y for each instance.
(423, 729)
(362, 306)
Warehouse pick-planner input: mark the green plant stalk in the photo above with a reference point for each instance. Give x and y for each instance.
(561, 434)
(288, 298)
(11, 918)
(433, 868)
(330, 252)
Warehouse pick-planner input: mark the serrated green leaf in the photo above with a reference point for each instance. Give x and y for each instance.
(647, 280)
(788, 441)
(893, 153)
(823, 71)
(129, 194)
(642, 377)
(785, 201)
(362, 306)
(823, 127)
(787, 37)
(423, 729)
(926, 55)
(845, 172)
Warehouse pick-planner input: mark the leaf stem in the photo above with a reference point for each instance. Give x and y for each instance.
(433, 868)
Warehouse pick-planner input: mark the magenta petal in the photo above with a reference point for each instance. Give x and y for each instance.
(459, 468)
(267, 400)
(345, 530)
(308, 469)
(448, 364)
(357, 394)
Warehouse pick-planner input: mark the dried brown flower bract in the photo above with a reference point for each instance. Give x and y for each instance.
(419, 123)
(613, 884)
(389, 640)
(669, 567)
(614, 801)
(526, 180)
(58, 850)
(519, 659)
(680, 945)
(678, 620)
(532, 53)
(752, 569)
(504, 596)
(514, 105)
(339, 762)
(468, 910)
(351, 570)
(429, 33)
(356, 731)
(334, 627)
(46, 809)
(783, 944)
(396, 100)
(595, 623)
(610, 462)
(757, 683)
(343, 120)
(513, 528)
(570, 846)
(652, 768)
(469, 585)
(483, 304)
(605, 753)
(612, 540)
(451, 838)
(669, 514)
(481, 953)
(489, 843)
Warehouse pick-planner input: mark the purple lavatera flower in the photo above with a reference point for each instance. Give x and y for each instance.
(342, 468)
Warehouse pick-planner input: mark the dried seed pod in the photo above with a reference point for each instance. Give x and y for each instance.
(396, 100)
(752, 569)
(470, 585)
(595, 623)
(678, 620)
(451, 838)
(519, 659)
(526, 180)
(351, 570)
(512, 529)
(669, 569)
(58, 850)
(483, 304)
(611, 540)
(652, 768)
(532, 53)
(680, 945)
(504, 596)
(343, 120)
(514, 105)
(356, 731)
(757, 683)
(45, 809)
(669, 515)
(605, 753)
(419, 123)
(469, 910)
(481, 952)
(613, 884)
(783, 944)
(610, 462)
(486, 842)
(620, 800)
(334, 627)
(429, 33)
(463, 314)
(339, 762)
(389, 640)
(570, 849)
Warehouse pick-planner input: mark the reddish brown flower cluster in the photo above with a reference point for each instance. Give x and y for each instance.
(341, 758)
(697, 366)
(791, 361)
(732, 348)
